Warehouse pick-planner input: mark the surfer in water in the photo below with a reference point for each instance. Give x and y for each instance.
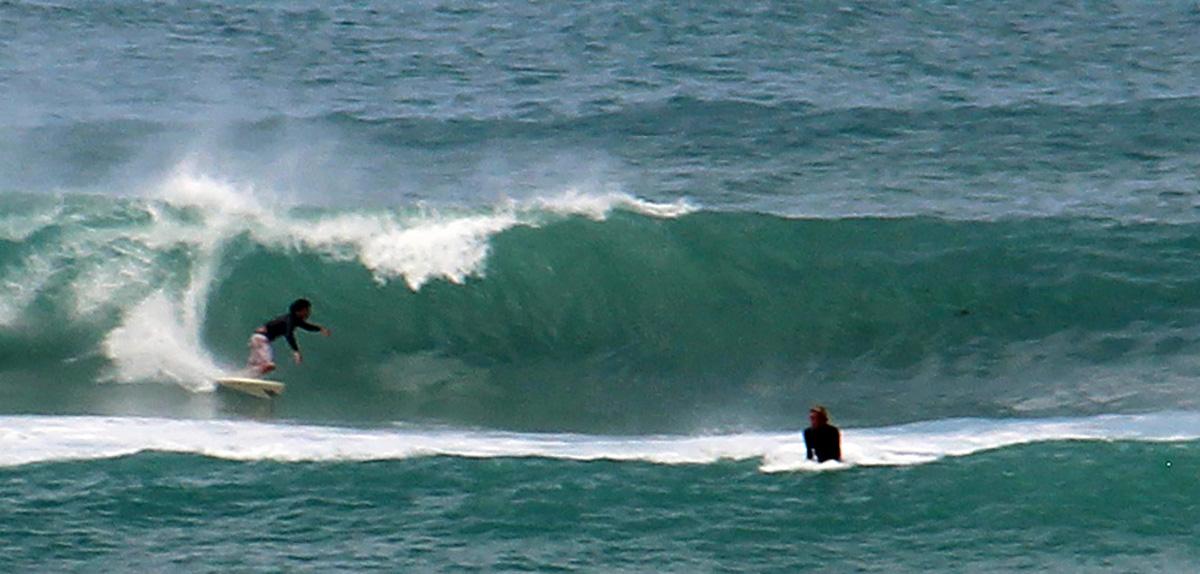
(822, 439)
(262, 357)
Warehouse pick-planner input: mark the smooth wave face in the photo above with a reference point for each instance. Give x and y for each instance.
(605, 313)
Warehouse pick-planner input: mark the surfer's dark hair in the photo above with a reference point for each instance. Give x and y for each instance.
(299, 305)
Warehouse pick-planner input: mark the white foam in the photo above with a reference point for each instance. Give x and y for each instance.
(451, 248)
(435, 246)
(157, 342)
(598, 206)
(28, 439)
(920, 443)
(159, 337)
(188, 187)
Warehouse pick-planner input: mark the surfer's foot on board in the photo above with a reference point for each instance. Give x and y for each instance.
(260, 370)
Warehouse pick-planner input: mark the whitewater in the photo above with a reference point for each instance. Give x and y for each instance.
(33, 439)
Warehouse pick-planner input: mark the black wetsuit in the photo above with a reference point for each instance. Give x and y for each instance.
(824, 443)
(284, 326)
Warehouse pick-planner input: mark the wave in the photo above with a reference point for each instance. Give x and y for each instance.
(39, 439)
(602, 312)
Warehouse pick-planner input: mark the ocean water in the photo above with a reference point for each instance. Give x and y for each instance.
(586, 266)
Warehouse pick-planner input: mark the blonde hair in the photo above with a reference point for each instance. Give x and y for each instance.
(822, 413)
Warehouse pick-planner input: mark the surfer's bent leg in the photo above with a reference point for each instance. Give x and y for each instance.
(262, 357)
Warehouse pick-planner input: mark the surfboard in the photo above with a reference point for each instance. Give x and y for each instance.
(256, 387)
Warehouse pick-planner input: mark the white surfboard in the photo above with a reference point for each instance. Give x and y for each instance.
(256, 387)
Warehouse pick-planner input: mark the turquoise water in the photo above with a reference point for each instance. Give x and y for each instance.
(277, 497)
(586, 266)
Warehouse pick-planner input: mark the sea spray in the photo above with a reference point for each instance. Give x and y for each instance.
(158, 338)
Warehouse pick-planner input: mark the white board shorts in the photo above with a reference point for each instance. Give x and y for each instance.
(261, 354)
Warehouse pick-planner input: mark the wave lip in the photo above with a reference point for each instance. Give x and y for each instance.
(432, 244)
(35, 439)
(597, 207)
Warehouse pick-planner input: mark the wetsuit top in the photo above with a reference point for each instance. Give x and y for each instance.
(825, 442)
(285, 325)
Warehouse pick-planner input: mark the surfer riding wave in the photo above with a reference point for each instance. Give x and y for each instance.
(262, 356)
